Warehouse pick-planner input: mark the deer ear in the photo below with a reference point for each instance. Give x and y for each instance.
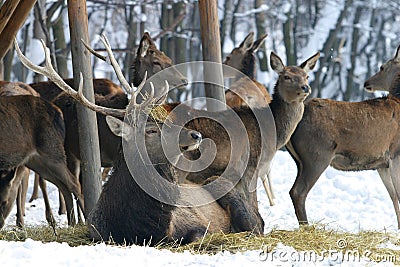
(144, 45)
(309, 64)
(276, 63)
(118, 127)
(397, 56)
(258, 43)
(247, 42)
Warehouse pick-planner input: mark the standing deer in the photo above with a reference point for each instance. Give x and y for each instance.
(12, 89)
(349, 136)
(144, 218)
(32, 134)
(246, 91)
(287, 107)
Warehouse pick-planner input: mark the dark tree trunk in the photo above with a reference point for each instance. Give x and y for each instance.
(87, 123)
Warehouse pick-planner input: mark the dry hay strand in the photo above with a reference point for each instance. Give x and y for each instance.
(74, 236)
(316, 238)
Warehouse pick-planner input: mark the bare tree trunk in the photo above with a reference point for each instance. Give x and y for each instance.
(131, 42)
(261, 24)
(350, 84)
(210, 38)
(316, 85)
(10, 25)
(288, 39)
(226, 21)
(39, 14)
(87, 123)
(60, 46)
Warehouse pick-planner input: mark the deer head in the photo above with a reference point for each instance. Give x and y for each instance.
(189, 140)
(242, 58)
(293, 81)
(151, 60)
(387, 74)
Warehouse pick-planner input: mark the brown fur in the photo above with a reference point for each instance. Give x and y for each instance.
(144, 218)
(36, 142)
(287, 109)
(246, 91)
(12, 89)
(348, 136)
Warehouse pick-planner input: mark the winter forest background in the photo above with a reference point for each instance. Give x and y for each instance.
(354, 37)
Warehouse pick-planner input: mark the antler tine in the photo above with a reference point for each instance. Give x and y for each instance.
(115, 65)
(50, 72)
(94, 53)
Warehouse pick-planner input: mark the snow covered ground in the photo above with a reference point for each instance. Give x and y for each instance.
(351, 201)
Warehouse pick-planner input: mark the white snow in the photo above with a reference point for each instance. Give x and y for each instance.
(350, 201)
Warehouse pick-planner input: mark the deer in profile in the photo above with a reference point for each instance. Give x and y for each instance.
(148, 60)
(144, 218)
(246, 90)
(349, 136)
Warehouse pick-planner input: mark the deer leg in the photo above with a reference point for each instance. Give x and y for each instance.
(308, 174)
(394, 170)
(61, 204)
(21, 195)
(242, 216)
(58, 174)
(35, 192)
(268, 189)
(384, 173)
(49, 214)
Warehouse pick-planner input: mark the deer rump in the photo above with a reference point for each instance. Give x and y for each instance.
(32, 133)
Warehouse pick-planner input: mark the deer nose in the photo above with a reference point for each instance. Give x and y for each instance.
(196, 136)
(305, 88)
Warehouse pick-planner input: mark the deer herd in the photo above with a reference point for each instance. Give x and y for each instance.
(38, 132)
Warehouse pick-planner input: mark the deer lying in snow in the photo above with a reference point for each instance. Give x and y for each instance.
(349, 136)
(148, 60)
(143, 218)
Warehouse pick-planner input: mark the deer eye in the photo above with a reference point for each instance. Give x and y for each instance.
(381, 68)
(287, 77)
(151, 131)
(157, 63)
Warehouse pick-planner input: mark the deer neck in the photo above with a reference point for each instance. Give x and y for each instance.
(249, 66)
(286, 116)
(395, 87)
(135, 75)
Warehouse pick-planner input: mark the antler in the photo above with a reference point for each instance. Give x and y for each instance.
(49, 72)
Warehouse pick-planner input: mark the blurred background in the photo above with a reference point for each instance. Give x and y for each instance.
(354, 37)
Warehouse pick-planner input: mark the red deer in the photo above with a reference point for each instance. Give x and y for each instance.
(144, 218)
(349, 137)
(11, 191)
(12, 89)
(148, 59)
(249, 90)
(287, 109)
(32, 134)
